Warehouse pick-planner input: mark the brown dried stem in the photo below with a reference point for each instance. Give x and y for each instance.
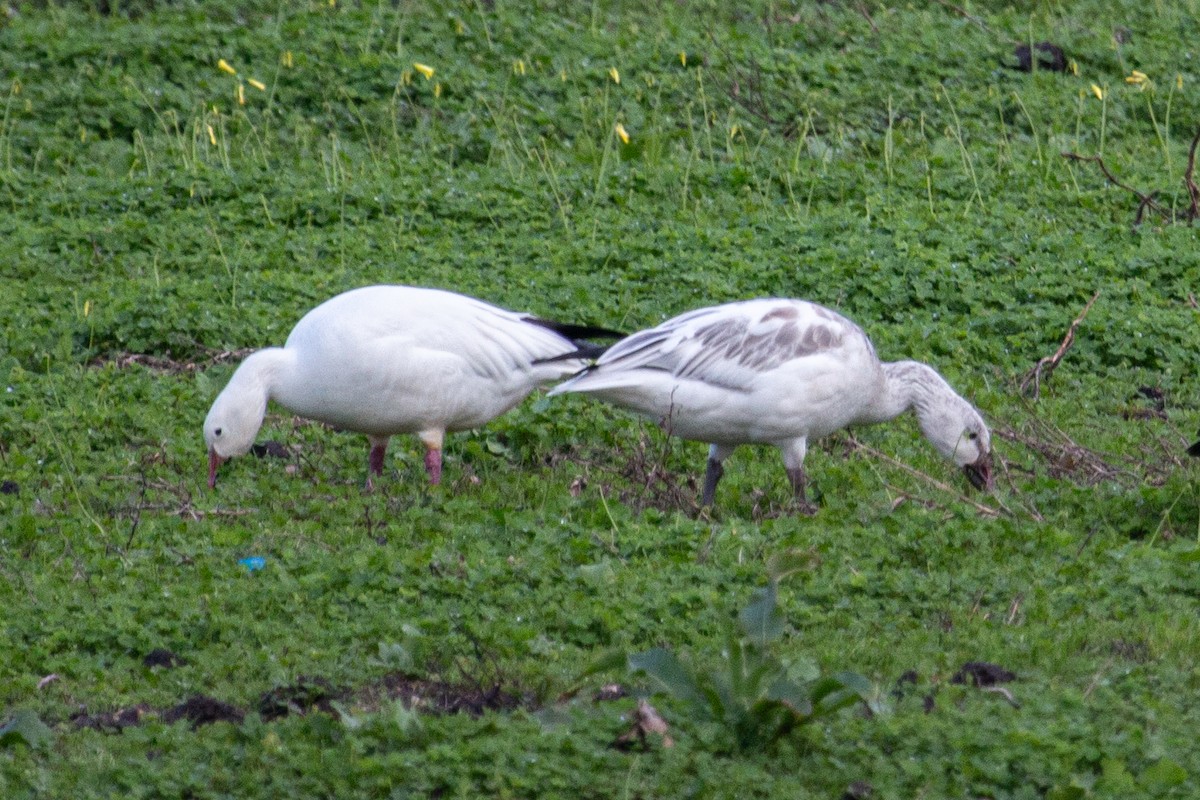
(1048, 364)
(965, 15)
(1145, 201)
(1190, 182)
(1067, 459)
(980, 507)
(168, 365)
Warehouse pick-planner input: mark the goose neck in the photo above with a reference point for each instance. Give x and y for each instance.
(908, 385)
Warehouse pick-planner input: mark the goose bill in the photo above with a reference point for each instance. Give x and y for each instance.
(214, 461)
(979, 472)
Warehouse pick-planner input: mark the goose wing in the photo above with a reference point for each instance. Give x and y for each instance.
(731, 346)
(408, 327)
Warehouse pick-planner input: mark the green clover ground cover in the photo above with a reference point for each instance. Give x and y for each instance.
(162, 215)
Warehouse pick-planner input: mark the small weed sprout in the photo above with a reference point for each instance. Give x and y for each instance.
(751, 693)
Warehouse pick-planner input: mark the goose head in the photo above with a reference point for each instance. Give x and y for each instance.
(957, 431)
(231, 424)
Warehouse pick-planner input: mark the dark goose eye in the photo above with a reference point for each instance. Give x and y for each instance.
(217, 432)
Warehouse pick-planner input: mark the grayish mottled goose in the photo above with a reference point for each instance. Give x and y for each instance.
(779, 372)
(383, 360)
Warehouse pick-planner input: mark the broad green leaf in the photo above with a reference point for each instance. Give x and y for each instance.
(802, 669)
(606, 661)
(761, 620)
(669, 673)
(25, 727)
(838, 691)
(735, 651)
(791, 695)
(854, 682)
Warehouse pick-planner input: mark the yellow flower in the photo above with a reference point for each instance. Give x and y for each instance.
(621, 133)
(682, 58)
(223, 65)
(212, 137)
(437, 90)
(735, 130)
(1178, 81)
(241, 95)
(87, 308)
(563, 75)
(287, 60)
(1072, 67)
(1096, 90)
(262, 87)
(1139, 78)
(519, 66)
(424, 69)
(616, 76)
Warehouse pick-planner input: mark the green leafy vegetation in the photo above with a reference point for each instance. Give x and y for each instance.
(163, 215)
(754, 695)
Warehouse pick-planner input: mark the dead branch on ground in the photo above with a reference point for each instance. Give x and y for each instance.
(1146, 200)
(1045, 366)
(980, 507)
(1190, 182)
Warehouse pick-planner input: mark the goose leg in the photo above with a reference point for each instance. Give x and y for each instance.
(799, 480)
(375, 458)
(793, 460)
(432, 439)
(433, 465)
(712, 475)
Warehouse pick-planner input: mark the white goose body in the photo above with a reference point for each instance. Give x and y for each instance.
(383, 360)
(780, 372)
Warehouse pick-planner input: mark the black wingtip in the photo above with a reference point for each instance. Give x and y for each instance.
(585, 351)
(575, 332)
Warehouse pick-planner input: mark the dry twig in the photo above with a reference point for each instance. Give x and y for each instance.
(862, 9)
(1065, 458)
(1145, 201)
(169, 365)
(965, 15)
(646, 721)
(1190, 182)
(982, 509)
(1048, 364)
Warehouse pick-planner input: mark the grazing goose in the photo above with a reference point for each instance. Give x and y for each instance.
(778, 372)
(383, 360)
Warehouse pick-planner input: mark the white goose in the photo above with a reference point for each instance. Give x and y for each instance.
(383, 360)
(779, 372)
